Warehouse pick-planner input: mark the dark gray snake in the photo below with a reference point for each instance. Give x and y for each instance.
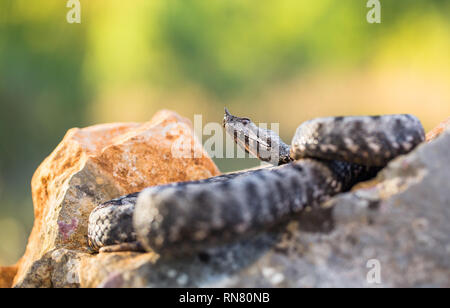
(327, 156)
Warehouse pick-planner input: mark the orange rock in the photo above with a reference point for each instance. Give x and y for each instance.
(432, 134)
(7, 274)
(98, 163)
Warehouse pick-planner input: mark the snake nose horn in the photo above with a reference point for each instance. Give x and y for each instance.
(227, 117)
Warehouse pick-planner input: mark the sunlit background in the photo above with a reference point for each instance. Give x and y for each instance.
(275, 61)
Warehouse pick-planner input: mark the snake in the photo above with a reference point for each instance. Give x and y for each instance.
(327, 156)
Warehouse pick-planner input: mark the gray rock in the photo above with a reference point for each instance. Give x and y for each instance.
(400, 224)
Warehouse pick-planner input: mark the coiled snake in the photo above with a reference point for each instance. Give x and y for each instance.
(327, 156)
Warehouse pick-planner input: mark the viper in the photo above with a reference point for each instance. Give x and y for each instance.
(327, 156)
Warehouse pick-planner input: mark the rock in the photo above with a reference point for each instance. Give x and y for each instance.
(400, 224)
(93, 165)
(397, 224)
(435, 132)
(7, 274)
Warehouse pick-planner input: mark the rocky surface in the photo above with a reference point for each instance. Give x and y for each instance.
(7, 274)
(438, 130)
(392, 231)
(93, 165)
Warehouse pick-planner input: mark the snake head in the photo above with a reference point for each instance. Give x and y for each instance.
(259, 142)
(229, 119)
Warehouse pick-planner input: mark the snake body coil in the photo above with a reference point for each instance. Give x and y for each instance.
(327, 156)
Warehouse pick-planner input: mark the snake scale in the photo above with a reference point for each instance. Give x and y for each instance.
(327, 156)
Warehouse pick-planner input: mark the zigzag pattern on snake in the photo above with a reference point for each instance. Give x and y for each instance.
(327, 156)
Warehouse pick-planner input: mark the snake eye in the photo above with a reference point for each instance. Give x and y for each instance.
(245, 121)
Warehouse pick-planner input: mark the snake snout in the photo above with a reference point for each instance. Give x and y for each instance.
(227, 117)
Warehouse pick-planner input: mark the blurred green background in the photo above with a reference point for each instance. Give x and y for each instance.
(276, 61)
